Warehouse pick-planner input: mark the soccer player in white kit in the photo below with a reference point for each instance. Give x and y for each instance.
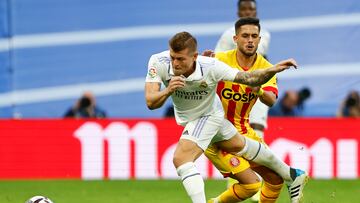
(191, 81)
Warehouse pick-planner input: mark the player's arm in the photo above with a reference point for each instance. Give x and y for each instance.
(259, 77)
(155, 97)
(267, 97)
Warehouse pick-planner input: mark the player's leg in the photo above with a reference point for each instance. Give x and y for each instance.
(238, 192)
(258, 122)
(195, 138)
(272, 184)
(185, 154)
(259, 153)
(236, 167)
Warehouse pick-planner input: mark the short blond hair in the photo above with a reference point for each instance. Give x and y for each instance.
(183, 40)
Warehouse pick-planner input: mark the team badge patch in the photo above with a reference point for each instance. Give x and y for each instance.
(234, 161)
(203, 84)
(152, 72)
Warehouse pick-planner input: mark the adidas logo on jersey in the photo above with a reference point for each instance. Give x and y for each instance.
(186, 132)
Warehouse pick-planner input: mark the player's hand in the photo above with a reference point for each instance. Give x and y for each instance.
(255, 89)
(208, 53)
(285, 64)
(175, 83)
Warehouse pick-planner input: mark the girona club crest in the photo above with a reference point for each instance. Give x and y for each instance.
(234, 161)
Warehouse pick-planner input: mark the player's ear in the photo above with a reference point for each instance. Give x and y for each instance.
(196, 54)
(235, 38)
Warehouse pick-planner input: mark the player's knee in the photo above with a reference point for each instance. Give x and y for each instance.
(177, 160)
(237, 143)
(236, 147)
(245, 191)
(274, 179)
(180, 159)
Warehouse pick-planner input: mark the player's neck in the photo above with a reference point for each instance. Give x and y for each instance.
(245, 61)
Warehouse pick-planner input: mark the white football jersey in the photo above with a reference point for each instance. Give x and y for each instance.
(226, 41)
(198, 97)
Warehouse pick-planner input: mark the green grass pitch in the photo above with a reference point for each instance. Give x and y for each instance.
(157, 191)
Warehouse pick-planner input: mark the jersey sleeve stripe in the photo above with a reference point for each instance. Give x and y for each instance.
(272, 89)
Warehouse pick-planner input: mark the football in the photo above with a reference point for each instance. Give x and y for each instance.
(39, 199)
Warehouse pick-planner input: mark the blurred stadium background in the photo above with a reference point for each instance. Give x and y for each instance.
(53, 51)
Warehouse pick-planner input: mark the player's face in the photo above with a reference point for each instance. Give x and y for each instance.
(247, 9)
(247, 39)
(183, 61)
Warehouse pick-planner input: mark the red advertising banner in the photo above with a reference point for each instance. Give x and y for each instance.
(143, 149)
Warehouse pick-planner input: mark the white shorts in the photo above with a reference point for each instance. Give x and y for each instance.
(208, 129)
(259, 113)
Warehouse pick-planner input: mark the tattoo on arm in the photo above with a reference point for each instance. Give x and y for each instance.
(254, 78)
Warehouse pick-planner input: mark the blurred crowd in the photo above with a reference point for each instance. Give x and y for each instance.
(85, 107)
(292, 103)
(350, 106)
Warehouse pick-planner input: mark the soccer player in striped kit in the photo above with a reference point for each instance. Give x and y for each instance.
(238, 100)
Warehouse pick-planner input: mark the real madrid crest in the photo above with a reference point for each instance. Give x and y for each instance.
(203, 84)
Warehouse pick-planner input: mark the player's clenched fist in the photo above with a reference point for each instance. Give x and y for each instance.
(175, 83)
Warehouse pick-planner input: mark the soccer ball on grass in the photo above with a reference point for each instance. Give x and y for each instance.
(39, 199)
